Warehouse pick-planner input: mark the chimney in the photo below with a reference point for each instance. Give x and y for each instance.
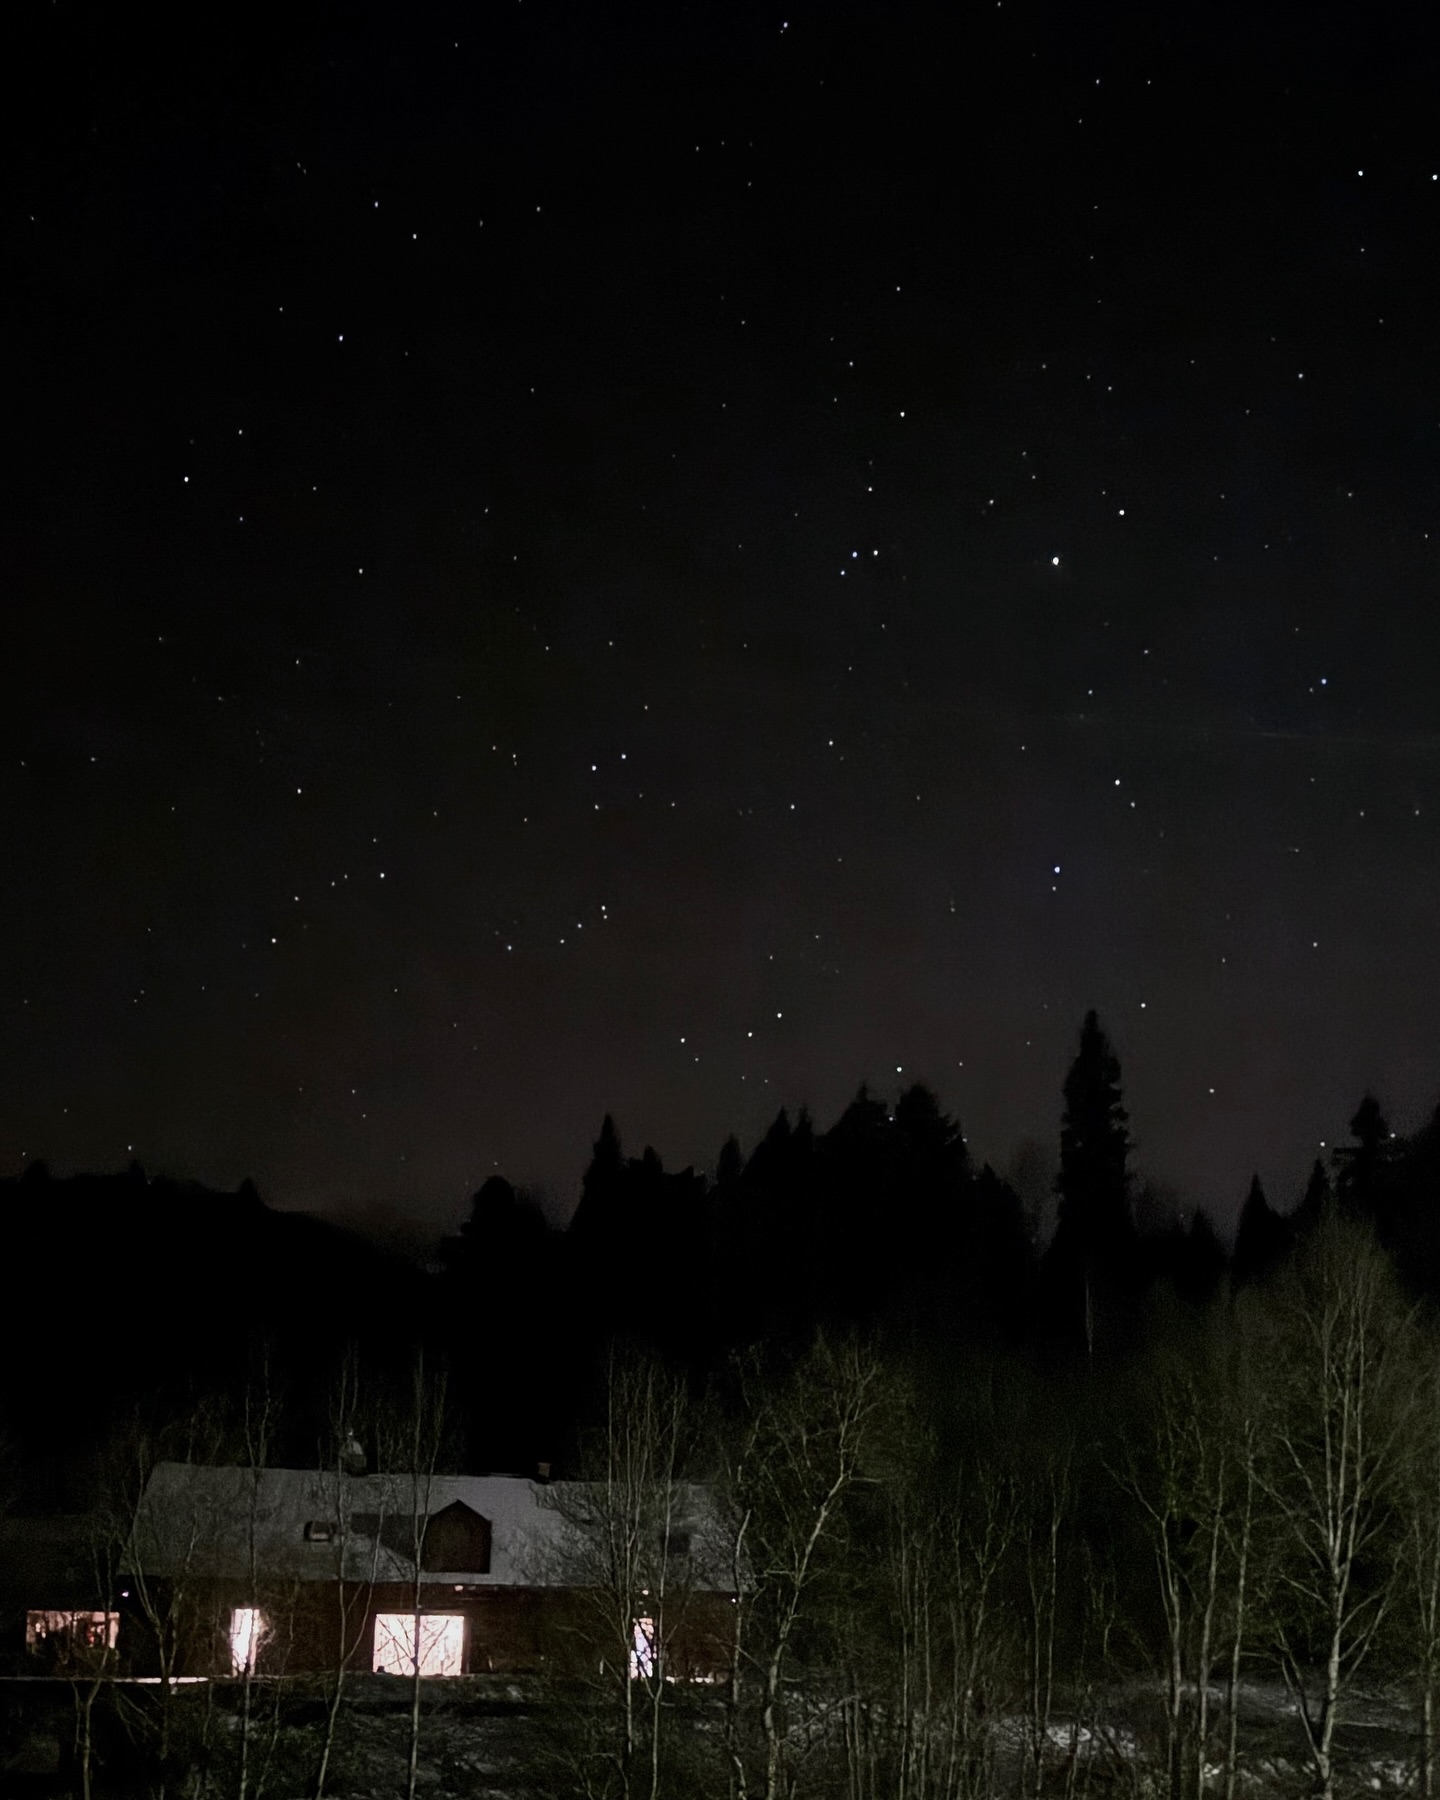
(542, 1472)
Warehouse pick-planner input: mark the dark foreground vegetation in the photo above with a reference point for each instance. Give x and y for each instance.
(1126, 1513)
(487, 1736)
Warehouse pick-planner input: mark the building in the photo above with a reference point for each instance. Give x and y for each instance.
(270, 1571)
(57, 1614)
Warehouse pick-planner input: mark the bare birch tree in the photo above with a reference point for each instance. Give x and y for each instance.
(1419, 1599)
(341, 1459)
(257, 1425)
(630, 1551)
(1340, 1374)
(943, 1631)
(168, 1605)
(794, 1461)
(1250, 1582)
(99, 1661)
(415, 1443)
(1047, 1500)
(1192, 1484)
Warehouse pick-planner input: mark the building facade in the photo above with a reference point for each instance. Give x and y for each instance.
(234, 1571)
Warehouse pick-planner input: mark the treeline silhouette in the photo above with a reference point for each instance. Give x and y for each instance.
(883, 1223)
(127, 1286)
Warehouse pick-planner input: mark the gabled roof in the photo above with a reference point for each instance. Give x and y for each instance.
(317, 1525)
(237, 1524)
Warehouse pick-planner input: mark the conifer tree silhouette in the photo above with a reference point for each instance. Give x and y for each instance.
(1093, 1253)
(1262, 1239)
(1095, 1219)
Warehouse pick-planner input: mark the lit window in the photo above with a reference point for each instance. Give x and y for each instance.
(71, 1636)
(644, 1651)
(435, 1640)
(247, 1632)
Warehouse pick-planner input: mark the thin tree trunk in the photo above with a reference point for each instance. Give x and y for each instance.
(1042, 1587)
(85, 1733)
(1207, 1628)
(424, 1430)
(738, 1786)
(412, 1766)
(1242, 1577)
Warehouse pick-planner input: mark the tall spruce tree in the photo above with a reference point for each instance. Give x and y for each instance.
(1262, 1239)
(597, 1242)
(1361, 1166)
(1093, 1254)
(600, 1189)
(1095, 1219)
(1317, 1199)
(1415, 1212)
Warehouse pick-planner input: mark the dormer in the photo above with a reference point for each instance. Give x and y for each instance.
(457, 1539)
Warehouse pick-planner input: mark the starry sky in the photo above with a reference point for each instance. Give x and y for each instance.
(676, 559)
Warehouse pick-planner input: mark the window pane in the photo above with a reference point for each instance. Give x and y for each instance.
(440, 1638)
(642, 1650)
(247, 1629)
(64, 1636)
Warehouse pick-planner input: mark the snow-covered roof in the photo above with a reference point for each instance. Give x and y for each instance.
(319, 1525)
(239, 1524)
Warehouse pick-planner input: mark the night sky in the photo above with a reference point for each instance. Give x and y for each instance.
(565, 558)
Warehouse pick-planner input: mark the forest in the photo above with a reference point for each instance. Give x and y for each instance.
(1125, 1510)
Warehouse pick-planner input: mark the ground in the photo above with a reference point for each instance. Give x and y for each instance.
(493, 1738)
